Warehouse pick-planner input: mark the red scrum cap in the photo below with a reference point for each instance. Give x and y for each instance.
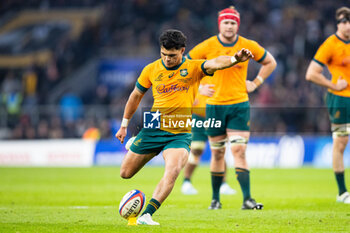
(229, 14)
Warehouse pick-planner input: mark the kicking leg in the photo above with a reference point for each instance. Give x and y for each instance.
(175, 160)
(132, 163)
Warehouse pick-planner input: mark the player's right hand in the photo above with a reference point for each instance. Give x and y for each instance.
(341, 84)
(243, 55)
(207, 90)
(121, 134)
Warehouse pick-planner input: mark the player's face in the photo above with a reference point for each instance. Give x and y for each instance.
(228, 28)
(344, 27)
(171, 57)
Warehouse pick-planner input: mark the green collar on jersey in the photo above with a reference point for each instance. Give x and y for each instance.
(227, 45)
(345, 41)
(174, 67)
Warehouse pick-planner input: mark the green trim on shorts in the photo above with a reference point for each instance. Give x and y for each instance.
(155, 140)
(199, 134)
(233, 116)
(338, 108)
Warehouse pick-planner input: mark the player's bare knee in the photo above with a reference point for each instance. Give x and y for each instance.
(197, 152)
(343, 146)
(218, 154)
(340, 141)
(175, 168)
(240, 158)
(238, 150)
(343, 141)
(125, 174)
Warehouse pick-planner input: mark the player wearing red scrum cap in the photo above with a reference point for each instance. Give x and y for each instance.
(230, 102)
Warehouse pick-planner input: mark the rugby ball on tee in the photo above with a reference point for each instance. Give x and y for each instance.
(132, 204)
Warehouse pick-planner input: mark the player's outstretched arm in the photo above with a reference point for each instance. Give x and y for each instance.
(130, 108)
(314, 74)
(223, 62)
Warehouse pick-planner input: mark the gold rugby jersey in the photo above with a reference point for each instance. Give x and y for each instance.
(230, 83)
(335, 54)
(174, 90)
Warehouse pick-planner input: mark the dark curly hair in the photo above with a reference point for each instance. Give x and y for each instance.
(172, 39)
(343, 11)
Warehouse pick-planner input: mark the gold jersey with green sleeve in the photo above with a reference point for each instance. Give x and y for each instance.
(230, 83)
(335, 54)
(174, 90)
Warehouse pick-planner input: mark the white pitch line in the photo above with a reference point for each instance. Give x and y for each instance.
(78, 207)
(58, 207)
(87, 207)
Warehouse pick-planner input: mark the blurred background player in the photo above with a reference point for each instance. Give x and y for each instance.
(172, 97)
(230, 102)
(334, 54)
(199, 140)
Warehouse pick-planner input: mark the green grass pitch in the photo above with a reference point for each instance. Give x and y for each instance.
(87, 199)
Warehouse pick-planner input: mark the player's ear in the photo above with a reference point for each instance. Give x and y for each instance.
(182, 50)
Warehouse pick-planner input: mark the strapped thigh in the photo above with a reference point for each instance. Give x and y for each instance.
(218, 144)
(192, 159)
(238, 140)
(198, 145)
(340, 130)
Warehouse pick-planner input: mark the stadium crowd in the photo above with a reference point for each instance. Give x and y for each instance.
(290, 30)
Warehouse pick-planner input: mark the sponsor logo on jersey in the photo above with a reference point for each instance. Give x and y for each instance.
(162, 89)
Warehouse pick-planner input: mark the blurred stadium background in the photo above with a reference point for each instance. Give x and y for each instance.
(67, 68)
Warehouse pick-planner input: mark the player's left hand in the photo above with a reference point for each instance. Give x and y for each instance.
(243, 55)
(251, 86)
